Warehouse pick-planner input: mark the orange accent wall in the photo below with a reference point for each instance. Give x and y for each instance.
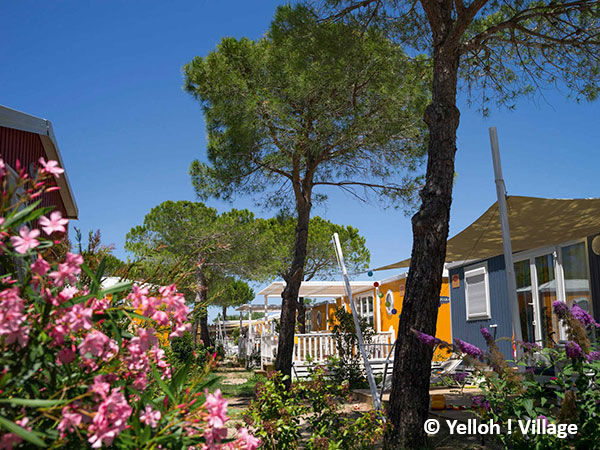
(389, 322)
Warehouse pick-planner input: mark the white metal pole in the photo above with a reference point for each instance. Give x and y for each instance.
(361, 342)
(508, 260)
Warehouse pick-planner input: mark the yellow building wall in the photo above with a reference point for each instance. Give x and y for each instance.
(323, 310)
(389, 322)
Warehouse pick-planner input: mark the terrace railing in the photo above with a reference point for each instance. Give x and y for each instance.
(318, 347)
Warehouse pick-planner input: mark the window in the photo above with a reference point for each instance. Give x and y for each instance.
(389, 302)
(364, 308)
(477, 292)
(577, 285)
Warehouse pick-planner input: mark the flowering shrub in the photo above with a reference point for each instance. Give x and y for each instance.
(558, 385)
(77, 369)
(276, 412)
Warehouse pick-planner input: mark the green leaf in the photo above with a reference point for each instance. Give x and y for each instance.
(32, 402)
(22, 432)
(179, 378)
(101, 268)
(95, 283)
(20, 214)
(162, 384)
(119, 287)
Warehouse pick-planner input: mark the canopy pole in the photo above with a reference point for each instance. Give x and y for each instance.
(361, 342)
(508, 259)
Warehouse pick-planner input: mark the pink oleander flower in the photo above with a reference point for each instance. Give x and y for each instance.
(12, 317)
(150, 417)
(246, 440)
(110, 420)
(94, 343)
(68, 293)
(58, 333)
(2, 168)
(161, 318)
(216, 406)
(40, 266)
(180, 330)
(140, 382)
(25, 241)
(100, 386)
(68, 270)
(146, 338)
(100, 305)
(137, 296)
(70, 420)
(55, 223)
(66, 355)
(79, 318)
(51, 167)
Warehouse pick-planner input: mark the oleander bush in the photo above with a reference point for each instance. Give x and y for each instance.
(81, 366)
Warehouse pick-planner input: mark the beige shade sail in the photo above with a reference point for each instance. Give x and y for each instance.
(534, 223)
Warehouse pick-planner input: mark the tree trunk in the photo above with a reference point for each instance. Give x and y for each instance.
(204, 330)
(301, 316)
(202, 304)
(224, 319)
(409, 399)
(293, 279)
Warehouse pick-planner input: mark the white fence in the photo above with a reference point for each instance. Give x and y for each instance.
(320, 346)
(248, 346)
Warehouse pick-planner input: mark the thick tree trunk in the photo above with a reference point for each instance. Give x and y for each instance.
(409, 399)
(301, 316)
(201, 305)
(289, 296)
(204, 330)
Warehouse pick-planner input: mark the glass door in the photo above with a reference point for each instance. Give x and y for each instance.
(536, 291)
(525, 299)
(546, 295)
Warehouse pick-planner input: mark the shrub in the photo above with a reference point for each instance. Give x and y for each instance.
(82, 366)
(275, 415)
(347, 366)
(560, 386)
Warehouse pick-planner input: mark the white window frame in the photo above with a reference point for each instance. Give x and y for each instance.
(391, 307)
(478, 269)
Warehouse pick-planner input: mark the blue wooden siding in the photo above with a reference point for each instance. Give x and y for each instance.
(500, 314)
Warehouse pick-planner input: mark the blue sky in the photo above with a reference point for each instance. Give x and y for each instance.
(108, 76)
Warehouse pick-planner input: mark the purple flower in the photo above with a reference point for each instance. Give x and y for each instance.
(468, 349)
(486, 334)
(460, 377)
(573, 350)
(529, 347)
(478, 402)
(426, 338)
(542, 418)
(530, 370)
(584, 317)
(593, 356)
(560, 309)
